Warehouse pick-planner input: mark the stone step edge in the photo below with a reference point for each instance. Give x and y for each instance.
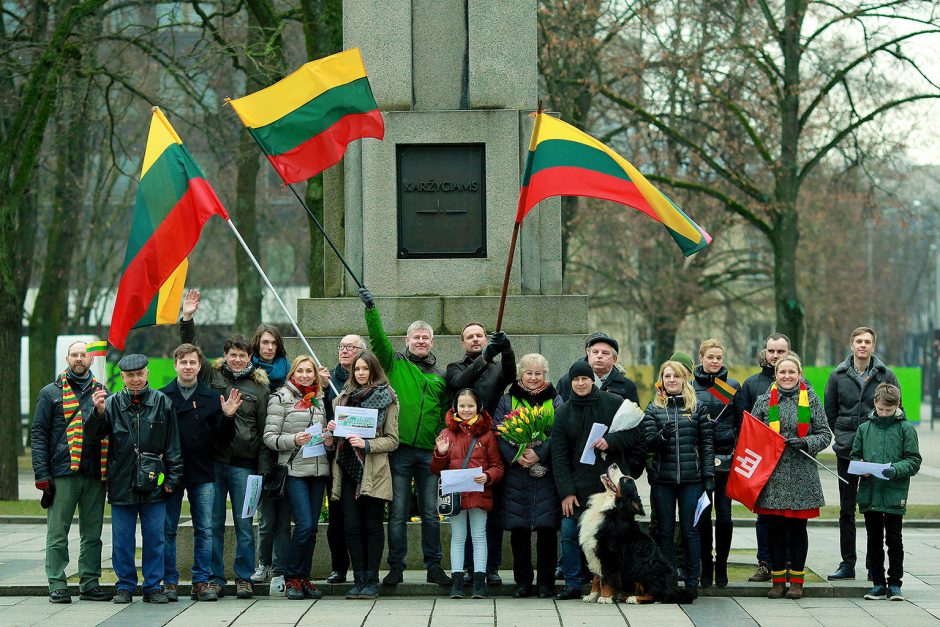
(412, 589)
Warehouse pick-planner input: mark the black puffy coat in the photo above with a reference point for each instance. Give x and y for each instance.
(528, 502)
(488, 378)
(685, 456)
(752, 389)
(156, 420)
(724, 425)
(848, 402)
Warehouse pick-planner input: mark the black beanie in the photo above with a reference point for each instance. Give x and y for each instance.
(580, 368)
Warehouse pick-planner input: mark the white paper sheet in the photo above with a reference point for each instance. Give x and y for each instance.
(314, 448)
(703, 502)
(867, 468)
(461, 480)
(252, 496)
(589, 455)
(359, 421)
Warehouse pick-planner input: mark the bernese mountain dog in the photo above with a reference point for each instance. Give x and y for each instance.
(624, 559)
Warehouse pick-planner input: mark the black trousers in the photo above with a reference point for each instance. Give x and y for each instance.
(336, 538)
(788, 540)
(848, 499)
(885, 529)
(365, 536)
(546, 552)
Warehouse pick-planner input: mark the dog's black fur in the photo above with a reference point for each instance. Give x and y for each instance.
(630, 559)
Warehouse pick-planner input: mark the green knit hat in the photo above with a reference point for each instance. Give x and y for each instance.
(685, 360)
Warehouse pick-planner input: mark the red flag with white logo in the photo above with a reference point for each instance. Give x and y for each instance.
(755, 457)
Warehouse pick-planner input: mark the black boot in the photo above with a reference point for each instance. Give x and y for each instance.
(456, 585)
(705, 579)
(723, 533)
(359, 580)
(479, 585)
(370, 589)
(721, 574)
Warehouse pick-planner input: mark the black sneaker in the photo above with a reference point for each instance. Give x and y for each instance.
(546, 592)
(394, 577)
(877, 593)
(97, 594)
(493, 578)
(60, 596)
(336, 577)
(894, 593)
(155, 596)
(436, 575)
(123, 596)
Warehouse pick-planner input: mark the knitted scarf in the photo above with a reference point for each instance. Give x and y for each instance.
(349, 458)
(308, 395)
(75, 429)
(803, 414)
(277, 370)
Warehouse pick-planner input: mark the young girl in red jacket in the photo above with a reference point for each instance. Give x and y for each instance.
(466, 423)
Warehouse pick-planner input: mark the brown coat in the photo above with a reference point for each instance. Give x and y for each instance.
(485, 455)
(377, 474)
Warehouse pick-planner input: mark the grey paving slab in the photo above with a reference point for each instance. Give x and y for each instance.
(142, 614)
(273, 611)
(716, 611)
(338, 612)
(220, 613)
(654, 615)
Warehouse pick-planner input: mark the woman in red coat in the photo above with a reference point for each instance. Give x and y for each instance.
(468, 424)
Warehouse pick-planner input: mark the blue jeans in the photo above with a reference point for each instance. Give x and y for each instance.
(201, 496)
(570, 551)
(124, 542)
(231, 480)
(665, 499)
(409, 463)
(306, 500)
(476, 520)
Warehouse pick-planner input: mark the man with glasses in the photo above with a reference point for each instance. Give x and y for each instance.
(350, 347)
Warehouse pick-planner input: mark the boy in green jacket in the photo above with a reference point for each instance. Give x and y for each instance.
(886, 438)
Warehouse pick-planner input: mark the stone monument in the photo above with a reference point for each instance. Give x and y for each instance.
(424, 217)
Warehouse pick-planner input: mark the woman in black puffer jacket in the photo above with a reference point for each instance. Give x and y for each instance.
(530, 499)
(715, 392)
(679, 435)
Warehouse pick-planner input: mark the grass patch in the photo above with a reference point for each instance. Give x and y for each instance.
(107, 576)
(740, 573)
(33, 508)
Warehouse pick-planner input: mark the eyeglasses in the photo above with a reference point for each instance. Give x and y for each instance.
(351, 347)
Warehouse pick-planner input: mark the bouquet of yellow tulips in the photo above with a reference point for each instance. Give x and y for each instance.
(527, 427)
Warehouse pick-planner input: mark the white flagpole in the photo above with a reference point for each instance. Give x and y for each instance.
(279, 301)
(826, 468)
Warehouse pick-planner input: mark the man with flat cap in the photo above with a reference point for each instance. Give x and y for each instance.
(144, 465)
(600, 353)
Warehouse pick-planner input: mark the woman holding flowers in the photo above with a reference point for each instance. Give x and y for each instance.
(523, 420)
(793, 494)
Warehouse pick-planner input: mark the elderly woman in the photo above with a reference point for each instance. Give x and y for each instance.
(793, 494)
(292, 409)
(530, 499)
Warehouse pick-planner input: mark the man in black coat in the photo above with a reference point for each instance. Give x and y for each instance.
(575, 481)
(848, 400)
(204, 419)
(776, 346)
(68, 470)
(144, 467)
(489, 378)
(600, 352)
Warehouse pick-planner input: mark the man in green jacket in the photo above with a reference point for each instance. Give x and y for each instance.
(421, 391)
(886, 438)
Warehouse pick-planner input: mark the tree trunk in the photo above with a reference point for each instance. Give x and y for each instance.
(789, 309)
(315, 266)
(248, 307)
(664, 341)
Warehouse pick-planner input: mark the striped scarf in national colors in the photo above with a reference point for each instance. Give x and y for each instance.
(803, 414)
(74, 431)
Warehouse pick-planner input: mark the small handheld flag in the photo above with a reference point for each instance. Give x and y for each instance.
(722, 391)
(96, 349)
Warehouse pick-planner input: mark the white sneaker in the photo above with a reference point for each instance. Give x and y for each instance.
(262, 574)
(277, 586)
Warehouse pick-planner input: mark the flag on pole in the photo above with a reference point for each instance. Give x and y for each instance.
(564, 161)
(755, 457)
(96, 349)
(722, 391)
(304, 122)
(174, 201)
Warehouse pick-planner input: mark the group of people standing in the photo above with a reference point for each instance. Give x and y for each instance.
(251, 412)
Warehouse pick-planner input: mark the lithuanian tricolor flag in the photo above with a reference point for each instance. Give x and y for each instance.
(96, 349)
(563, 161)
(722, 391)
(174, 201)
(304, 122)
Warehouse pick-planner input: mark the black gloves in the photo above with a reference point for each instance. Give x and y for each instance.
(366, 297)
(667, 431)
(890, 472)
(490, 351)
(798, 444)
(497, 345)
(709, 484)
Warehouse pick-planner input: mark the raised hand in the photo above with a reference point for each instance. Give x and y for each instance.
(99, 398)
(190, 304)
(230, 406)
(443, 444)
(366, 297)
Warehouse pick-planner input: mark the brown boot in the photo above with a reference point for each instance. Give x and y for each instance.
(795, 591)
(777, 591)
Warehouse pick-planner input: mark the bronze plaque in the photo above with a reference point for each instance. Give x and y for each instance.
(441, 201)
